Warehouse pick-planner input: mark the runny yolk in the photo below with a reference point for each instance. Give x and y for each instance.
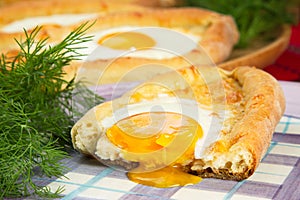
(162, 143)
(127, 41)
(168, 176)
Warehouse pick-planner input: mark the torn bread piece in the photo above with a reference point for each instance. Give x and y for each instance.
(235, 111)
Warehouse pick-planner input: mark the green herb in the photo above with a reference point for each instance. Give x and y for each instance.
(253, 17)
(36, 112)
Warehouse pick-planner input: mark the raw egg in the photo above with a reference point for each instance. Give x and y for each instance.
(162, 143)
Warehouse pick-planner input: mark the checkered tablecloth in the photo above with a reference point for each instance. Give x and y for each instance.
(277, 177)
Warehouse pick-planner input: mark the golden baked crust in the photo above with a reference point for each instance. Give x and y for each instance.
(251, 134)
(253, 97)
(152, 3)
(218, 35)
(29, 8)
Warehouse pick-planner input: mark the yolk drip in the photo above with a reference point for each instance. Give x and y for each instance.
(169, 176)
(162, 142)
(126, 41)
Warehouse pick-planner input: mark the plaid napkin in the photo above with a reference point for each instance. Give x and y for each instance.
(287, 66)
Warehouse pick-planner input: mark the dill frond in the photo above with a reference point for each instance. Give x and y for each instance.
(36, 112)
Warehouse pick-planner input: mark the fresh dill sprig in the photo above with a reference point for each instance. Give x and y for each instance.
(36, 112)
(253, 17)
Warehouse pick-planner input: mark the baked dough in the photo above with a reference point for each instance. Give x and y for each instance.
(152, 3)
(218, 35)
(253, 97)
(28, 8)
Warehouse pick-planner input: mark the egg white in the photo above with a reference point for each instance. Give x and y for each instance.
(59, 19)
(169, 44)
(211, 124)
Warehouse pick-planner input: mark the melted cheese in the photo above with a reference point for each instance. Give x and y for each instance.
(153, 43)
(59, 19)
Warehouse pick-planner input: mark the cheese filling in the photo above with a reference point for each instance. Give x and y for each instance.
(59, 19)
(123, 41)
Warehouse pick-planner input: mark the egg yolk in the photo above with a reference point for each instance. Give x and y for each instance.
(162, 142)
(127, 41)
